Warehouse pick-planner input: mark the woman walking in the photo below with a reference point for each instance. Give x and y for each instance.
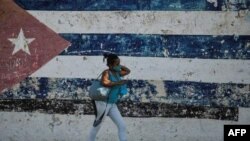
(111, 77)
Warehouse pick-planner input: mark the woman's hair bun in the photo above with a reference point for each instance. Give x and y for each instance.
(110, 57)
(105, 55)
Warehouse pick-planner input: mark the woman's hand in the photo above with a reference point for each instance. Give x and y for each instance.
(124, 71)
(121, 82)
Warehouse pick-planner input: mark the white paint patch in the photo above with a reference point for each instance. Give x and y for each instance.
(214, 1)
(152, 68)
(147, 22)
(160, 89)
(20, 126)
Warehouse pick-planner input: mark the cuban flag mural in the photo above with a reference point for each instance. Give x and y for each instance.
(188, 58)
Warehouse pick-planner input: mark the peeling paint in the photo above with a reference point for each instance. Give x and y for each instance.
(176, 46)
(190, 93)
(127, 108)
(214, 2)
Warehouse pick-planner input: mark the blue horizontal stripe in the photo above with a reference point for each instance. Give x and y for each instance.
(110, 5)
(176, 46)
(176, 92)
(208, 94)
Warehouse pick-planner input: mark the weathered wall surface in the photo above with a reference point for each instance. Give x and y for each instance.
(189, 60)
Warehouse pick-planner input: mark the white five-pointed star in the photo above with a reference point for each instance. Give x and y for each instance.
(21, 43)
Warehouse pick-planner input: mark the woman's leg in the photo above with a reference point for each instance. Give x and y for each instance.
(100, 108)
(93, 132)
(116, 117)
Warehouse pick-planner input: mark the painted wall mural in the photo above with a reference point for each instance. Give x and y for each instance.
(186, 59)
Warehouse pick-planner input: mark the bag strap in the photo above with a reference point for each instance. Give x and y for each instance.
(98, 121)
(99, 76)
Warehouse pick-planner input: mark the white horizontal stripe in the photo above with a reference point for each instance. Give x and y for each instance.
(147, 22)
(152, 68)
